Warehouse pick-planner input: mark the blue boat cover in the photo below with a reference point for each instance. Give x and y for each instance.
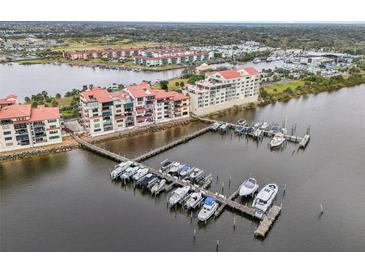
(209, 200)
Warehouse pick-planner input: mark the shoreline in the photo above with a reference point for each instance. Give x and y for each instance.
(69, 143)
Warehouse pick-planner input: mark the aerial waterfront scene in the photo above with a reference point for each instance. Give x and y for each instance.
(206, 136)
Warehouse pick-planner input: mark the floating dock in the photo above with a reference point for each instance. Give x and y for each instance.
(268, 221)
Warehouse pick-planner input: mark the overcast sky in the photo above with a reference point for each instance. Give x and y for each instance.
(183, 10)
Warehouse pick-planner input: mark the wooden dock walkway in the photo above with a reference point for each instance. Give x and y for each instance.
(223, 200)
(223, 205)
(268, 221)
(182, 140)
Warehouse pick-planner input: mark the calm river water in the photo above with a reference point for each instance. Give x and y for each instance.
(66, 202)
(25, 80)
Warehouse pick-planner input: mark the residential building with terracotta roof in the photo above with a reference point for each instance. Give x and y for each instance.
(104, 53)
(22, 126)
(138, 105)
(170, 56)
(8, 101)
(224, 89)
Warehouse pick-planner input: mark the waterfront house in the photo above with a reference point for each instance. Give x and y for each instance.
(23, 126)
(224, 89)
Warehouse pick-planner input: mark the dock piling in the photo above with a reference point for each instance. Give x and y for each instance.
(217, 247)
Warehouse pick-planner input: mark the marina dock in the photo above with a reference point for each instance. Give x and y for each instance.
(268, 221)
(291, 138)
(182, 140)
(173, 181)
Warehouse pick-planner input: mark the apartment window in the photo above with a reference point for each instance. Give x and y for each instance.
(53, 132)
(9, 144)
(7, 132)
(54, 137)
(96, 125)
(8, 138)
(52, 121)
(98, 129)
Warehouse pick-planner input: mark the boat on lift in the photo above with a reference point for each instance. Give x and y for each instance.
(178, 195)
(174, 169)
(241, 122)
(140, 174)
(185, 171)
(265, 126)
(196, 174)
(165, 164)
(216, 126)
(158, 187)
(118, 169)
(223, 128)
(194, 200)
(128, 173)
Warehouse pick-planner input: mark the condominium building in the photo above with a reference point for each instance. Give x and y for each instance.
(169, 56)
(103, 53)
(22, 126)
(138, 105)
(224, 89)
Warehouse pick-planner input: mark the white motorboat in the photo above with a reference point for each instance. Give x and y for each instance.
(165, 164)
(264, 199)
(215, 126)
(140, 174)
(157, 188)
(277, 140)
(224, 127)
(209, 207)
(265, 126)
(248, 187)
(185, 171)
(241, 122)
(196, 174)
(174, 169)
(178, 194)
(128, 173)
(257, 133)
(194, 200)
(118, 169)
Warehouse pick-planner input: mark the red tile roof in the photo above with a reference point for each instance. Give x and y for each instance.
(41, 113)
(97, 94)
(11, 99)
(230, 74)
(141, 90)
(252, 71)
(15, 111)
(121, 95)
(161, 94)
(178, 96)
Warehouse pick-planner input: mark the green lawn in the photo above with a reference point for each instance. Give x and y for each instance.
(280, 87)
(172, 84)
(65, 101)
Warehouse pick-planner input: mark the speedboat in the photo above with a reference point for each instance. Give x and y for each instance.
(118, 169)
(158, 186)
(178, 195)
(165, 164)
(241, 122)
(223, 128)
(275, 128)
(140, 174)
(209, 207)
(174, 169)
(277, 140)
(196, 174)
(185, 170)
(264, 199)
(265, 126)
(248, 187)
(148, 181)
(239, 129)
(257, 133)
(257, 125)
(128, 173)
(215, 126)
(194, 200)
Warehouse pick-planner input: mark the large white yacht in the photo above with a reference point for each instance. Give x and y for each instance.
(264, 199)
(178, 194)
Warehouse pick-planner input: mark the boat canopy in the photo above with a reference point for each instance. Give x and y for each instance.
(209, 201)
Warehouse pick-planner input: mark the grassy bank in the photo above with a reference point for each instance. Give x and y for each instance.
(310, 85)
